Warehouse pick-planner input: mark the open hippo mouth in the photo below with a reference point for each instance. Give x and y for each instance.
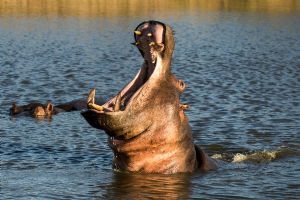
(149, 39)
(116, 115)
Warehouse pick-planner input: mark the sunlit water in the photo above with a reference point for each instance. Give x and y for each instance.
(243, 75)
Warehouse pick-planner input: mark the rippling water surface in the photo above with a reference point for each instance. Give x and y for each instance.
(242, 67)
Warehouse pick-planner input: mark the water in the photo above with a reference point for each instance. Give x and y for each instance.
(241, 62)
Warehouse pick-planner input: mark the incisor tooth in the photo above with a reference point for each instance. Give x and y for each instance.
(138, 32)
(149, 34)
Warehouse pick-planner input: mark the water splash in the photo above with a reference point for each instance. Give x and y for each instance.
(257, 157)
(264, 156)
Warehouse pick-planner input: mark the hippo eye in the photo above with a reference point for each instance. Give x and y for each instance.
(149, 34)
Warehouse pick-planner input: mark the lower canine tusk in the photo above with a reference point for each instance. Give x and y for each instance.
(118, 103)
(95, 106)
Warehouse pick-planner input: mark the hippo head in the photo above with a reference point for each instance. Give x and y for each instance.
(151, 97)
(36, 110)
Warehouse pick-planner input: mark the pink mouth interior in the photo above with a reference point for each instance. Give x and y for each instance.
(149, 33)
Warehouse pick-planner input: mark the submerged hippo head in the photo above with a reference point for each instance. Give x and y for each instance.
(148, 129)
(38, 110)
(35, 110)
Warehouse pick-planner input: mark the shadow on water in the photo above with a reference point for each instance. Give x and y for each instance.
(148, 186)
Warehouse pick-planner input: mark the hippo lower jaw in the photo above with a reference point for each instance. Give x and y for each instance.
(124, 117)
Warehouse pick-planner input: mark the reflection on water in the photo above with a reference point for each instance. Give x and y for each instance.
(240, 60)
(148, 186)
(131, 8)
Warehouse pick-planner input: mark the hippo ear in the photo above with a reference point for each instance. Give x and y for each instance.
(49, 107)
(14, 109)
(14, 105)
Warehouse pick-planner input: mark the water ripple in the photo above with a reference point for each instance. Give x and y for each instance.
(242, 72)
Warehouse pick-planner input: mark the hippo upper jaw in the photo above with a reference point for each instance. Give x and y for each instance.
(130, 112)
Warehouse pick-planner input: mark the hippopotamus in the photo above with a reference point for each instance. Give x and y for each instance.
(34, 109)
(148, 129)
(39, 110)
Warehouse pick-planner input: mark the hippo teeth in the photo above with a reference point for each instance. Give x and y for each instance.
(118, 102)
(91, 101)
(91, 96)
(153, 59)
(95, 106)
(153, 56)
